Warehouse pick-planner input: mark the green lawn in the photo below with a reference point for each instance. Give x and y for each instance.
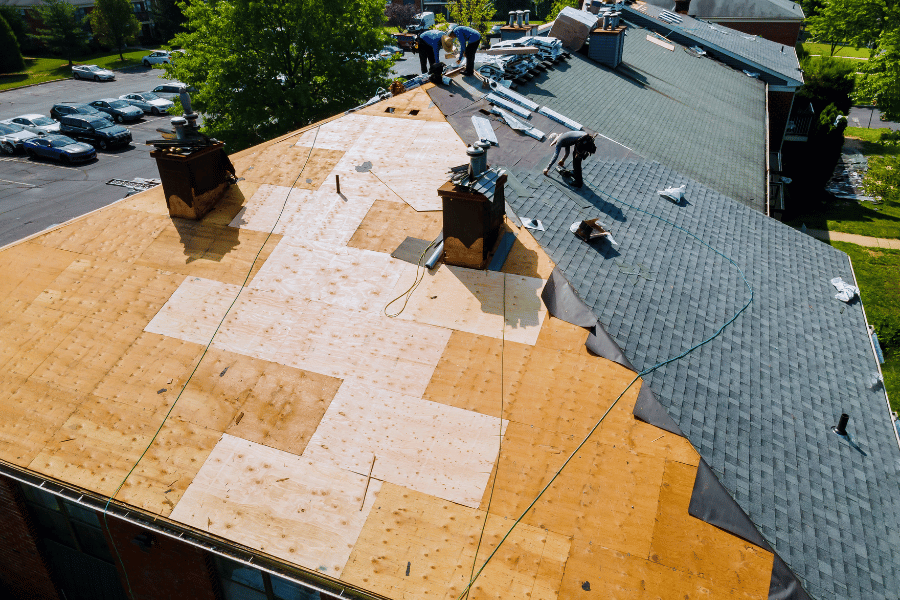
(825, 50)
(862, 218)
(40, 70)
(878, 274)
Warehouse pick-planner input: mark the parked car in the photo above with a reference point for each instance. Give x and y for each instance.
(99, 132)
(38, 124)
(148, 102)
(75, 108)
(59, 147)
(119, 110)
(171, 90)
(158, 57)
(92, 72)
(12, 136)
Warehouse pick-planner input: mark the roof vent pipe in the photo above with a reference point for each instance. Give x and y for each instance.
(519, 16)
(528, 17)
(841, 427)
(512, 18)
(477, 160)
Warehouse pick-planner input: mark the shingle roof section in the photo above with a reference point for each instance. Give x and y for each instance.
(702, 118)
(775, 10)
(754, 50)
(758, 402)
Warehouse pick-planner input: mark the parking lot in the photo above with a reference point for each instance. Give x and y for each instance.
(38, 193)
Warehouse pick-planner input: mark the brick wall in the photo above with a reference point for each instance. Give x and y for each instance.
(782, 32)
(169, 569)
(23, 572)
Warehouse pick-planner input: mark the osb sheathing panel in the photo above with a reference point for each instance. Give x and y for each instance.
(425, 446)
(403, 106)
(288, 165)
(730, 566)
(339, 134)
(99, 444)
(28, 267)
(153, 201)
(526, 257)
(388, 223)
(482, 302)
(30, 413)
(418, 546)
(112, 291)
(296, 509)
(257, 400)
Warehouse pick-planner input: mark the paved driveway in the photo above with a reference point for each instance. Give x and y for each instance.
(37, 193)
(869, 116)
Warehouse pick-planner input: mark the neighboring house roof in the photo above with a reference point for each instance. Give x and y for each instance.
(696, 115)
(749, 10)
(776, 63)
(251, 356)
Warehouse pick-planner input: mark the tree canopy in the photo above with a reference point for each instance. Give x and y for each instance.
(472, 13)
(848, 22)
(880, 78)
(114, 23)
(168, 18)
(11, 57)
(267, 67)
(63, 32)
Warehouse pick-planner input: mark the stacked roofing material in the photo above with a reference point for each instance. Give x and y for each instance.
(520, 67)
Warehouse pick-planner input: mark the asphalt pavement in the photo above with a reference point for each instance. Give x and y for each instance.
(869, 117)
(38, 193)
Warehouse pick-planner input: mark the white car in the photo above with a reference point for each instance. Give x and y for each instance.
(38, 124)
(92, 72)
(157, 58)
(12, 136)
(148, 102)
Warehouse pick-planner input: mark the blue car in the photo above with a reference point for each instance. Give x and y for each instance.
(59, 147)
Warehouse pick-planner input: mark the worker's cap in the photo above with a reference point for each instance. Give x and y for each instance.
(447, 43)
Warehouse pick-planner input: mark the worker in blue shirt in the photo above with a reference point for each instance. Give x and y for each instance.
(469, 39)
(429, 48)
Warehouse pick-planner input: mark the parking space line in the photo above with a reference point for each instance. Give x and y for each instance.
(17, 182)
(29, 162)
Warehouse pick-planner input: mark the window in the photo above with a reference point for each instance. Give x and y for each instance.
(240, 582)
(65, 522)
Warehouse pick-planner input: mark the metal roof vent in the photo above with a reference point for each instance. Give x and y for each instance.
(841, 427)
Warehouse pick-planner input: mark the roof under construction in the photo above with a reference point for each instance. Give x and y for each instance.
(239, 379)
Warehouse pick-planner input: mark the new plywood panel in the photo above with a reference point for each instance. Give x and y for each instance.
(153, 201)
(728, 564)
(468, 374)
(559, 335)
(347, 277)
(265, 208)
(31, 335)
(388, 223)
(383, 142)
(418, 546)
(473, 301)
(100, 443)
(150, 374)
(30, 413)
(115, 233)
(112, 291)
(304, 512)
(387, 353)
(284, 408)
(415, 104)
(29, 267)
(285, 164)
(339, 134)
(428, 447)
(526, 257)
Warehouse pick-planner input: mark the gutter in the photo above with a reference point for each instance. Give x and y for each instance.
(326, 586)
(875, 355)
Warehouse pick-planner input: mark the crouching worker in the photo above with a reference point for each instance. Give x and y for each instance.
(583, 146)
(469, 39)
(428, 45)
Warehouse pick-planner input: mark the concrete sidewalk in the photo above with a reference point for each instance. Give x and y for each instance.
(859, 240)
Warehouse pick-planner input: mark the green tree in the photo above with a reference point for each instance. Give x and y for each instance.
(114, 23)
(879, 82)
(168, 18)
(263, 68)
(473, 13)
(848, 22)
(827, 81)
(18, 25)
(559, 5)
(63, 32)
(11, 57)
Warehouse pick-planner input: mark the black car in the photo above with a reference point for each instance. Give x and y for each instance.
(97, 131)
(118, 109)
(65, 109)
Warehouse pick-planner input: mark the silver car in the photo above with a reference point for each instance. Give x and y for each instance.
(92, 72)
(38, 124)
(12, 136)
(148, 102)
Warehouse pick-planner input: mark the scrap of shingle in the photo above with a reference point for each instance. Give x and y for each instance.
(759, 400)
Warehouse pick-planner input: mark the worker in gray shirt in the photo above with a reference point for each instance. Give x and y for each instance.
(469, 39)
(582, 145)
(429, 48)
